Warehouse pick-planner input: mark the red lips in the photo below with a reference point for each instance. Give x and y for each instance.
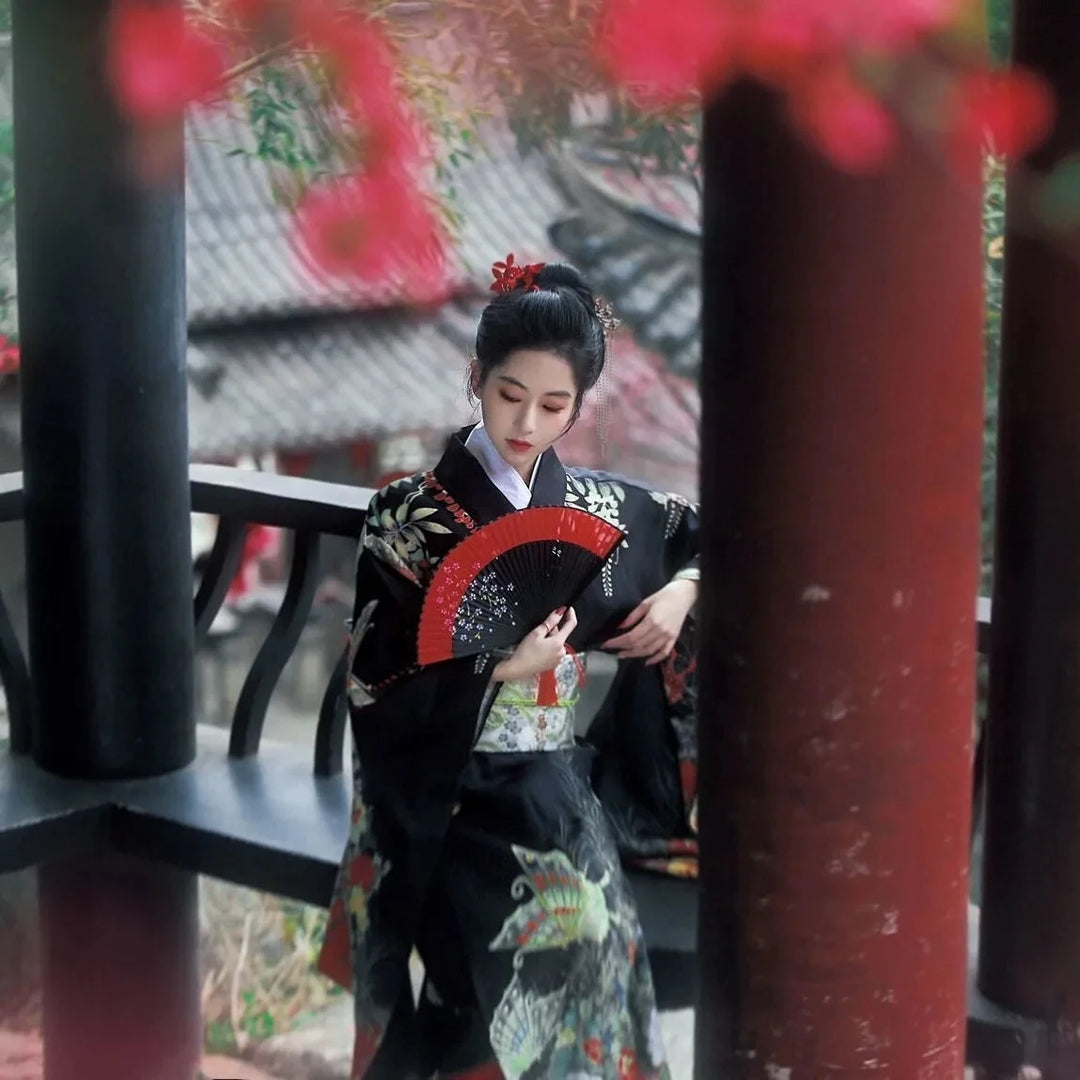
(519, 445)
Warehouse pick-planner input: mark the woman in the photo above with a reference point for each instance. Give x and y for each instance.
(476, 837)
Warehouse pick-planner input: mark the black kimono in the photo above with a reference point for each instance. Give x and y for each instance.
(476, 834)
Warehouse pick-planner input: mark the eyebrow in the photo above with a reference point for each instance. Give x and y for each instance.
(521, 386)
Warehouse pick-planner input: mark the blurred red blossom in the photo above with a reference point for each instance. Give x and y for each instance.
(1010, 111)
(9, 355)
(815, 53)
(159, 64)
(364, 68)
(839, 65)
(372, 226)
(667, 51)
(845, 122)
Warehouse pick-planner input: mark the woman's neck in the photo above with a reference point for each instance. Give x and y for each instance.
(525, 471)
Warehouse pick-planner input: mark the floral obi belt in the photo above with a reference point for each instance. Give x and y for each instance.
(517, 725)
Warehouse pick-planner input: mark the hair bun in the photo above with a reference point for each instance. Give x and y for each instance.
(555, 311)
(557, 276)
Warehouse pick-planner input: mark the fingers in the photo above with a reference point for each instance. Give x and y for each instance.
(648, 649)
(632, 623)
(636, 615)
(623, 641)
(655, 644)
(640, 638)
(569, 623)
(660, 655)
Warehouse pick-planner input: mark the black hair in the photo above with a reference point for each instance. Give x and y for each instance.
(560, 316)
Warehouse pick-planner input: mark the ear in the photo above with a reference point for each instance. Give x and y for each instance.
(476, 379)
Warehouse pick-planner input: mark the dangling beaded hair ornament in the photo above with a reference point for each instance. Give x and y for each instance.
(606, 314)
(509, 275)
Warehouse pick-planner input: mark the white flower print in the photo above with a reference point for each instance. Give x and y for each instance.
(604, 498)
(403, 530)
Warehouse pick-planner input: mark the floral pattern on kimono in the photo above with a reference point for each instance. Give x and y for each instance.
(363, 871)
(607, 496)
(597, 1019)
(603, 497)
(516, 724)
(603, 1023)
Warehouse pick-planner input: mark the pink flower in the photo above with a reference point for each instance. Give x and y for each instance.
(847, 25)
(848, 125)
(158, 64)
(1012, 111)
(666, 49)
(375, 226)
(364, 68)
(9, 355)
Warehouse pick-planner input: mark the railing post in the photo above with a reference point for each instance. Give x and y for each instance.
(842, 426)
(1030, 924)
(109, 583)
(104, 414)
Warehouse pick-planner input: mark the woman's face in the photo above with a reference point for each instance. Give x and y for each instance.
(527, 404)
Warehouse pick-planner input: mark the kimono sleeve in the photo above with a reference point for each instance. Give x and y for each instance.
(386, 613)
(682, 538)
(645, 732)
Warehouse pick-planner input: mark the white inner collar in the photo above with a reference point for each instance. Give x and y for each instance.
(500, 472)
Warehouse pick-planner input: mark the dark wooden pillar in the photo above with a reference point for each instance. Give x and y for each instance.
(104, 403)
(1030, 926)
(842, 385)
(120, 956)
(101, 310)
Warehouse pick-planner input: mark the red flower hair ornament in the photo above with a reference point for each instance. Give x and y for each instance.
(510, 276)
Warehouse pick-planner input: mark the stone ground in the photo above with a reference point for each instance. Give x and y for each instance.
(21, 1058)
(320, 1051)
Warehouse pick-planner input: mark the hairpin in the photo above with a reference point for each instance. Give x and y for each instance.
(510, 276)
(606, 314)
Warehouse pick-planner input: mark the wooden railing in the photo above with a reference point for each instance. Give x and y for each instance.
(259, 819)
(308, 510)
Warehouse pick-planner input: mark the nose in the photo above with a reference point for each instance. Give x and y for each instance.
(527, 419)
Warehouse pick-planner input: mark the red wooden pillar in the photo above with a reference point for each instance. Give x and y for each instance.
(1030, 926)
(842, 386)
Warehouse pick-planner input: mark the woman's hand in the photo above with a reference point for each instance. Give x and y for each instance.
(653, 627)
(540, 650)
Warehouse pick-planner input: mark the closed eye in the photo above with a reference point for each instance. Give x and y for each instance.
(555, 408)
(506, 397)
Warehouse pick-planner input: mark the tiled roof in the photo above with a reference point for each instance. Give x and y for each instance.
(241, 260)
(281, 358)
(638, 240)
(326, 380)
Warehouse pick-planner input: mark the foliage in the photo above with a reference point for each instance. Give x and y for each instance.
(378, 81)
(258, 958)
(505, 55)
(993, 262)
(999, 27)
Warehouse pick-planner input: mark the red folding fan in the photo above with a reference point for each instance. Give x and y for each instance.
(504, 579)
